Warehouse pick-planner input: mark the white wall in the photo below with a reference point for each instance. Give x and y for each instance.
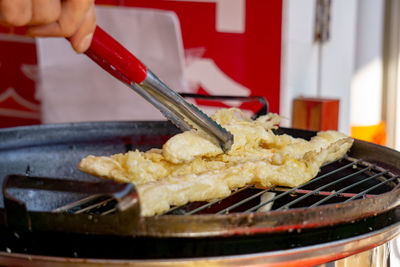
(300, 56)
(366, 91)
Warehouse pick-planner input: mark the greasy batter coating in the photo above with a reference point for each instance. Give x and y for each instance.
(191, 168)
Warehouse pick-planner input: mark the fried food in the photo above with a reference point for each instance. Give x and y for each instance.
(190, 167)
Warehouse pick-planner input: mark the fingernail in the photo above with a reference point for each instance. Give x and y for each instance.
(85, 43)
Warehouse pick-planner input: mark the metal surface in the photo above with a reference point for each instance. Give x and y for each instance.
(297, 235)
(122, 198)
(41, 156)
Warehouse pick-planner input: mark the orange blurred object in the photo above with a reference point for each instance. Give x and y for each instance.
(371, 133)
(317, 114)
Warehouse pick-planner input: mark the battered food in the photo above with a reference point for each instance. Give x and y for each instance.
(190, 167)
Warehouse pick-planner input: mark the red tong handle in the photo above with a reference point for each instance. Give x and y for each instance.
(115, 59)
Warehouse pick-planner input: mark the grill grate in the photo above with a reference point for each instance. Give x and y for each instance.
(338, 182)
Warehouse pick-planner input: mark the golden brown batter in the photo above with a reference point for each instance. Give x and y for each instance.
(189, 167)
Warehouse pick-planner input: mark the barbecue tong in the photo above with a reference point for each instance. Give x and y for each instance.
(119, 62)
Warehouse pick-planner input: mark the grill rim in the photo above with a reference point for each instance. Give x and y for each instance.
(207, 225)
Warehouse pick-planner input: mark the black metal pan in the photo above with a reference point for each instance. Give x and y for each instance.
(55, 150)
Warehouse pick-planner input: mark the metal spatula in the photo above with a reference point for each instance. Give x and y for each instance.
(121, 221)
(119, 62)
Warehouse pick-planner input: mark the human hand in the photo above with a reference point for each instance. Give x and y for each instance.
(74, 19)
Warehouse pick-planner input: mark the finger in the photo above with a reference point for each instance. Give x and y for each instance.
(72, 14)
(72, 18)
(15, 12)
(45, 11)
(81, 40)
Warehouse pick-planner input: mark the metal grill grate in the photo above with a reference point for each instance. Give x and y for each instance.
(338, 182)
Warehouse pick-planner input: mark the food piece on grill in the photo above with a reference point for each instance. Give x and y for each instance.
(191, 168)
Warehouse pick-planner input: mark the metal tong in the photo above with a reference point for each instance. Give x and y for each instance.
(119, 62)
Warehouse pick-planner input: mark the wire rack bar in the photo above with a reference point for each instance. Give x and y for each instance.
(293, 190)
(323, 187)
(93, 206)
(226, 210)
(215, 201)
(108, 211)
(371, 188)
(320, 193)
(76, 204)
(349, 187)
